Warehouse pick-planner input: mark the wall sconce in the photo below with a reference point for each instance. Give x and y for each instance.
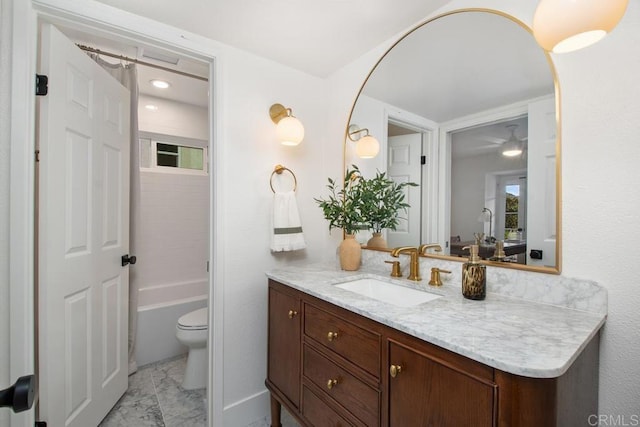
(565, 25)
(486, 216)
(289, 129)
(367, 147)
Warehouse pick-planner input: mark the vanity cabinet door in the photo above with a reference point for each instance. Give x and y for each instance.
(284, 344)
(425, 392)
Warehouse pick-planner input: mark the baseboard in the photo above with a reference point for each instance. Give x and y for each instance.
(247, 411)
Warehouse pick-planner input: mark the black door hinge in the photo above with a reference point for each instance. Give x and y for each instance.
(423, 160)
(42, 85)
(41, 424)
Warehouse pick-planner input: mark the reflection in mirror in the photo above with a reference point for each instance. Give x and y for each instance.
(465, 105)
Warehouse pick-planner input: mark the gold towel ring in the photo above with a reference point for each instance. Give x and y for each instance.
(278, 170)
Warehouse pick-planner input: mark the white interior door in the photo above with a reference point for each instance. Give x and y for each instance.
(404, 165)
(541, 205)
(83, 223)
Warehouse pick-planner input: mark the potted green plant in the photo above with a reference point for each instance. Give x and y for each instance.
(381, 200)
(343, 209)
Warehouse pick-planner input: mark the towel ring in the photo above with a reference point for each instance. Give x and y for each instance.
(278, 170)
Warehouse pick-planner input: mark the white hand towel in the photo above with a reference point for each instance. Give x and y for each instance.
(287, 228)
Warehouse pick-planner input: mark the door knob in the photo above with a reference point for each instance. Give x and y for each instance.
(394, 370)
(19, 396)
(126, 259)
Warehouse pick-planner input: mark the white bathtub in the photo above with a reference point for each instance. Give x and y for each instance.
(159, 308)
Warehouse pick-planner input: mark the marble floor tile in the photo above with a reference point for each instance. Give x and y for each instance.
(135, 411)
(155, 398)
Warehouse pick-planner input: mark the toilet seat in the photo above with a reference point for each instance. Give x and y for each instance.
(194, 321)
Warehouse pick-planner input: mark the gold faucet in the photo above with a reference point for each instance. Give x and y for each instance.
(422, 249)
(435, 276)
(414, 267)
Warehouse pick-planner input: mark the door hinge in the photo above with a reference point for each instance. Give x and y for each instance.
(37, 156)
(41, 424)
(42, 85)
(423, 160)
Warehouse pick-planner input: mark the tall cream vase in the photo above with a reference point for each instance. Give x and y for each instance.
(350, 253)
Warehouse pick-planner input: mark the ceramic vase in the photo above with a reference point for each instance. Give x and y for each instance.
(350, 253)
(377, 241)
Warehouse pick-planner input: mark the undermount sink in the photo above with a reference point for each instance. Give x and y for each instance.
(388, 292)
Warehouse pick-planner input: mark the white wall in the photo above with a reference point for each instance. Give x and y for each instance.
(5, 118)
(468, 189)
(174, 230)
(600, 220)
(173, 118)
(250, 85)
(174, 209)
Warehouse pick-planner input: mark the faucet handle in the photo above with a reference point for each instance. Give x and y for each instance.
(422, 249)
(395, 268)
(435, 276)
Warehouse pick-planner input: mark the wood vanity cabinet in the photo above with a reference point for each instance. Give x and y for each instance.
(331, 367)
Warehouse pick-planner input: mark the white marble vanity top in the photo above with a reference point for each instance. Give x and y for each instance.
(511, 334)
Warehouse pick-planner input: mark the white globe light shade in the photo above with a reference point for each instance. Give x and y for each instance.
(290, 131)
(565, 25)
(367, 147)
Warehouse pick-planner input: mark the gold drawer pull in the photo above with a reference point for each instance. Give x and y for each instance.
(332, 336)
(331, 384)
(292, 314)
(394, 370)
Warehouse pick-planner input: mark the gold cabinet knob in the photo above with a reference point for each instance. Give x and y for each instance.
(394, 370)
(292, 314)
(332, 336)
(331, 384)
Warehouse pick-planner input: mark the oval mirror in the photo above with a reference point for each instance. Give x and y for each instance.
(465, 106)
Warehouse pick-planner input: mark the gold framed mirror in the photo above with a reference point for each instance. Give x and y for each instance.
(448, 102)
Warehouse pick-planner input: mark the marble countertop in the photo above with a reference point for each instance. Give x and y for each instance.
(514, 335)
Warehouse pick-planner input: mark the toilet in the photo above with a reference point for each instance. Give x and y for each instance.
(192, 331)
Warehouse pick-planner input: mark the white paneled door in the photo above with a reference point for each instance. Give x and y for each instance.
(404, 165)
(83, 231)
(541, 204)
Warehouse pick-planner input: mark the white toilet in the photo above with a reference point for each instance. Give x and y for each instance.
(191, 331)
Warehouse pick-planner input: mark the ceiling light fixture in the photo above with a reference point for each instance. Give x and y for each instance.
(513, 146)
(289, 130)
(160, 84)
(367, 147)
(565, 25)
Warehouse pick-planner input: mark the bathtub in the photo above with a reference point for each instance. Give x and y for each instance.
(159, 308)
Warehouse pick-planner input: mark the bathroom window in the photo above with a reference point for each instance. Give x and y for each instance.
(511, 214)
(174, 156)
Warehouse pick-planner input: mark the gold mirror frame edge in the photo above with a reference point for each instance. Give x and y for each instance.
(537, 269)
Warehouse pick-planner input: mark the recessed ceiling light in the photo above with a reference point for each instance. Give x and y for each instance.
(151, 107)
(160, 84)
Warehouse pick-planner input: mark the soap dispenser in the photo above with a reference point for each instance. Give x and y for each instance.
(474, 276)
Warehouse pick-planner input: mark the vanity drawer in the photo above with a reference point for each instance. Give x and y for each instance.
(359, 346)
(319, 413)
(346, 389)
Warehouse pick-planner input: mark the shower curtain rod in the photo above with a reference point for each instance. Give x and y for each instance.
(137, 61)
